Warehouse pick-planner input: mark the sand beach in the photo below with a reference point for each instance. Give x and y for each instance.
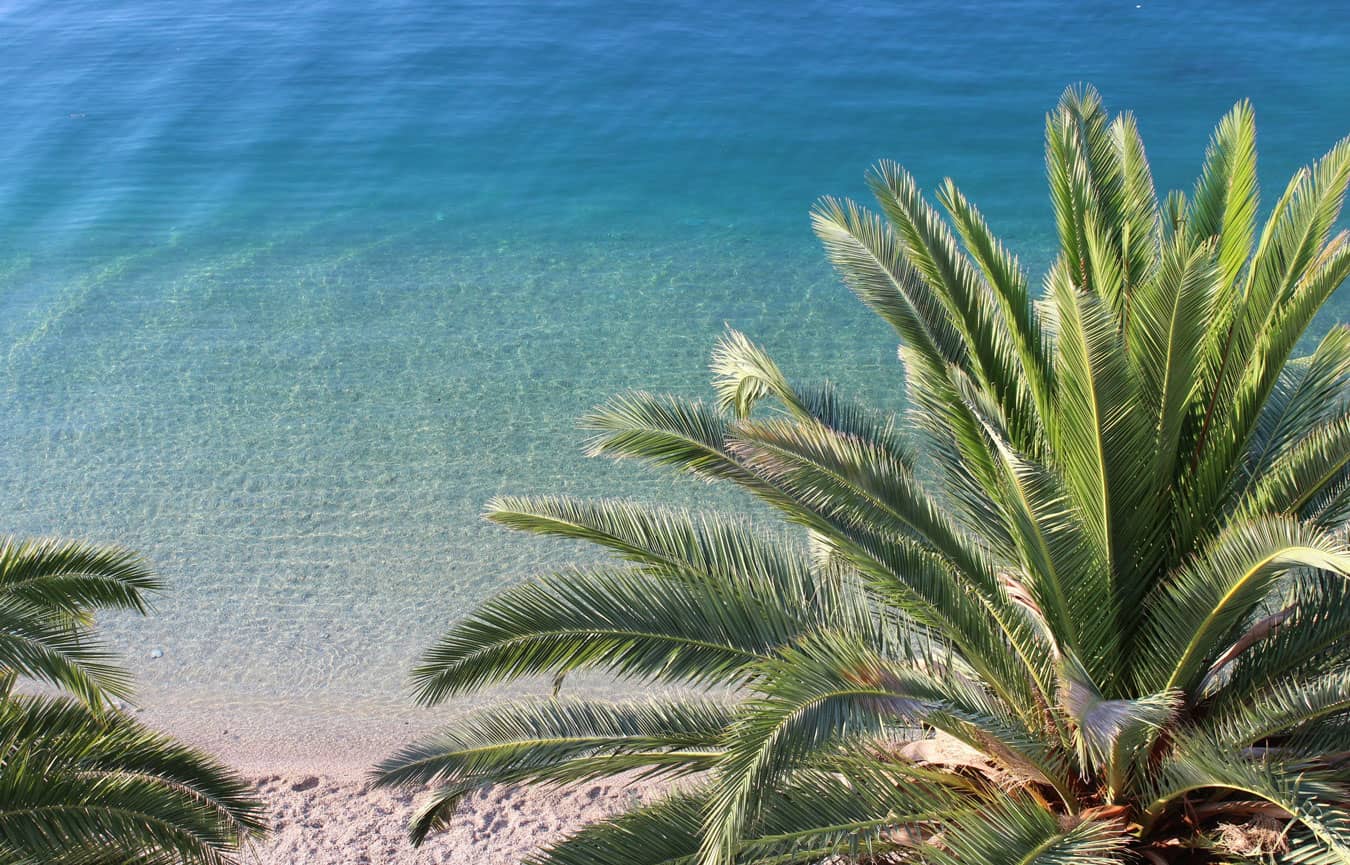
(313, 776)
(332, 816)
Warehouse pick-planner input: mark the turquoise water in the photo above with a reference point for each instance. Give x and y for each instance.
(288, 290)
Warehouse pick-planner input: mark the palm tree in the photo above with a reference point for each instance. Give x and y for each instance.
(82, 783)
(1101, 557)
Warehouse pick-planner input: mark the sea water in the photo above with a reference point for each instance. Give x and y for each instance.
(288, 290)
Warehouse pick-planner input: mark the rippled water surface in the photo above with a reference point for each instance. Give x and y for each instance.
(288, 290)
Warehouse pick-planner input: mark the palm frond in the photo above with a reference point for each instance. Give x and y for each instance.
(1003, 644)
(1193, 617)
(58, 653)
(848, 481)
(1303, 472)
(1096, 434)
(1258, 341)
(871, 260)
(665, 832)
(1308, 392)
(668, 542)
(1111, 735)
(1102, 554)
(745, 374)
(851, 492)
(665, 431)
(1299, 635)
(813, 697)
(1224, 204)
(872, 811)
(74, 576)
(932, 249)
(1004, 275)
(628, 623)
(1169, 315)
(1065, 573)
(1138, 219)
(1012, 831)
(563, 741)
(79, 786)
(49, 590)
(1282, 708)
(1199, 764)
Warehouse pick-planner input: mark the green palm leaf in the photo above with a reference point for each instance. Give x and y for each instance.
(1101, 554)
(1200, 764)
(1193, 617)
(626, 622)
(745, 375)
(1003, 274)
(873, 263)
(874, 811)
(78, 786)
(1301, 633)
(556, 742)
(1169, 315)
(1308, 393)
(931, 248)
(48, 592)
(1269, 320)
(666, 431)
(1014, 832)
(1286, 705)
(670, 543)
(1224, 203)
(1094, 443)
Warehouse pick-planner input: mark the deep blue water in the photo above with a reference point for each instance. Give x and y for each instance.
(288, 290)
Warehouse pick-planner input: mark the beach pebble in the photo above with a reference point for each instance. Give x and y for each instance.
(156, 652)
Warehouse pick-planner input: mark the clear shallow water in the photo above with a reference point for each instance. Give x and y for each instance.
(287, 291)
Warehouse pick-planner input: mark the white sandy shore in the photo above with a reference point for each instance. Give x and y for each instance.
(312, 772)
(337, 819)
(323, 810)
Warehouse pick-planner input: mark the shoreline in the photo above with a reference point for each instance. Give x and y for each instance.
(288, 742)
(312, 772)
(336, 819)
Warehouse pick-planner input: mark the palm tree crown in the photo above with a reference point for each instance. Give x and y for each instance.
(1101, 554)
(81, 782)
